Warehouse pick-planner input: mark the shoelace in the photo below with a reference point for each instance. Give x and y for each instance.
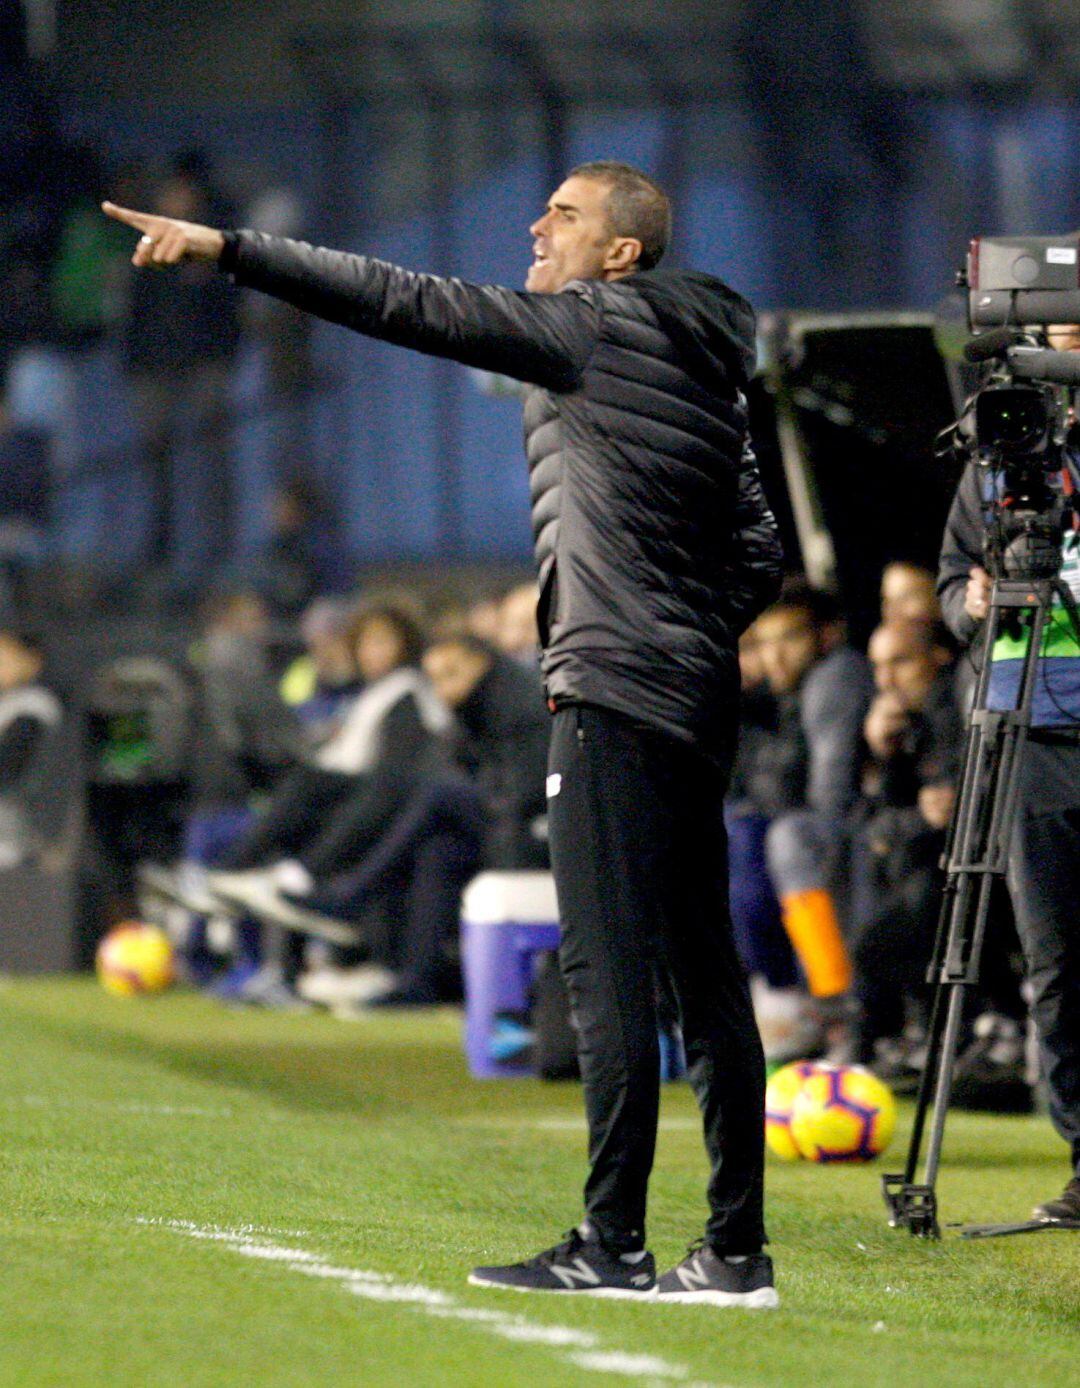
(572, 1241)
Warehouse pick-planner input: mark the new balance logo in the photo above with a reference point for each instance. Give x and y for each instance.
(641, 1280)
(577, 1271)
(692, 1275)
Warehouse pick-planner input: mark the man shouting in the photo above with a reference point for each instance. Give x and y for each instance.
(655, 549)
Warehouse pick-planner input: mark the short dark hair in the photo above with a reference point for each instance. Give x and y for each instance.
(820, 607)
(29, 638)
(636, 206)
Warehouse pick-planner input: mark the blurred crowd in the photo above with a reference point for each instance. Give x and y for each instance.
(304, 817)
(154, 429)
(843, 790)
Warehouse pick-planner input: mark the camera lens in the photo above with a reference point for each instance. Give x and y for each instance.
(1011, 418)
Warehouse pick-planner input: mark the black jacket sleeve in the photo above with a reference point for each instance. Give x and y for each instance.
(545, 339)
(756, 565)
(961, 550)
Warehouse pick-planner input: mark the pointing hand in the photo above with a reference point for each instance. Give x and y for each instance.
(166, 241)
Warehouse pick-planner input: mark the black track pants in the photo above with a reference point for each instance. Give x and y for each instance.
(639, 854)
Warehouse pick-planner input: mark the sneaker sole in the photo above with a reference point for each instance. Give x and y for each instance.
(612, 1293)
(239, 900)
(764, 1299)
(199, 905)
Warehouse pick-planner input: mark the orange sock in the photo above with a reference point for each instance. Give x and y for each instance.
(811, 924)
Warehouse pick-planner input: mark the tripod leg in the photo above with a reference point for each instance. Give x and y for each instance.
(949, 907)
(943, 1089)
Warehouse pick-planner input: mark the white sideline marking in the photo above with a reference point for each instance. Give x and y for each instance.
(217, 1231)
(616, 1362)
(250, 1241)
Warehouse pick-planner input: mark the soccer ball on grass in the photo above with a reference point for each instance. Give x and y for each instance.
(135, 958)
(828, 1113)
(843, 1113)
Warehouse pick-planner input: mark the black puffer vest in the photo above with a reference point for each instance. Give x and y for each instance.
(654, 545)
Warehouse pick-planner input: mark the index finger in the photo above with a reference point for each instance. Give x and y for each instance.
(139, 220)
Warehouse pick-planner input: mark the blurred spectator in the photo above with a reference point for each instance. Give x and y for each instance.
(245, 741)
(913, 735)
(760, 938)
(503, 728)
(87, 275)
(303, 558)
(275, 380)
(30, 719)
(320, 685)
(63, 383)
(483, 617)
(805, 780)
(432, 847)
(516, 630)
(332, 812)
(909, 593)
(181, 339)
(249, 736)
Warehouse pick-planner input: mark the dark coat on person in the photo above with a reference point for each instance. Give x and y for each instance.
(248, 738)
(654, 543)
(504, 733)
(809, 758)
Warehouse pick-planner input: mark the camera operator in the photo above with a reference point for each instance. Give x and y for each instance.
(1044, 848)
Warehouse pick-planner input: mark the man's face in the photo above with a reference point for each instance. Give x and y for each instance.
(903, 664)
(454, 671)
(787, 645)
(573, 239)
(1064, 337)
(18, 665)
(380, 649)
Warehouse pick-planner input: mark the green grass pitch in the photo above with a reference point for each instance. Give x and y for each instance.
(192, 1196)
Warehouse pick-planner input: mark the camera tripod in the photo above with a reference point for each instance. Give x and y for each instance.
(975, 853)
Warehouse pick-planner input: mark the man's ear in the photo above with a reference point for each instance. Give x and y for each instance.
(623, 254)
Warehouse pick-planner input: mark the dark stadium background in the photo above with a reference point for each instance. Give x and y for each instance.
(832, 158)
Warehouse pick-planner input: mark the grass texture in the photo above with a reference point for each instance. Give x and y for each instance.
(194, 1196)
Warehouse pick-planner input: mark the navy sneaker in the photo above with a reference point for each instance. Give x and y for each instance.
(706, 1278)
(579, 1264)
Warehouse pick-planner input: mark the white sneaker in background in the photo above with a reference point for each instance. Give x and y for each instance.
(333, 987)
(292, 877)
(787, 1031)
